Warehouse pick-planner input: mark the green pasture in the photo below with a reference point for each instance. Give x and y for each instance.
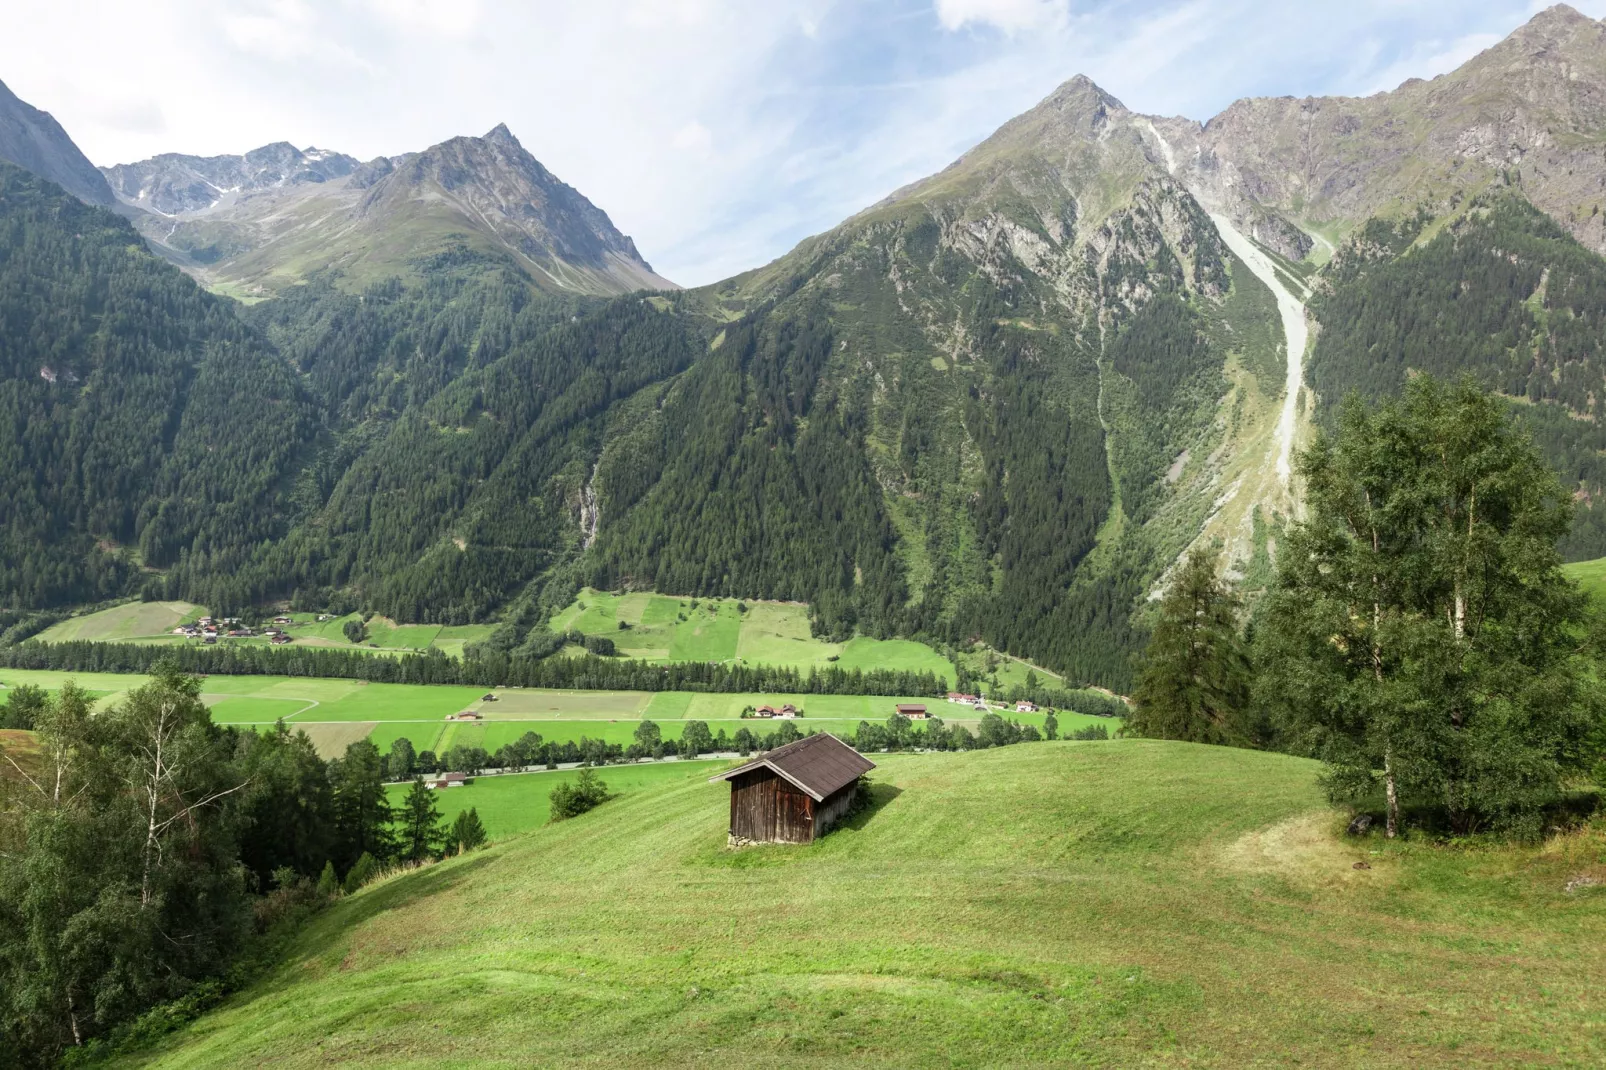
(1130, 903)
(1590, 575)
(132, 620)
(666, 628)
(337, 712)
(153, 622)
(510, 803)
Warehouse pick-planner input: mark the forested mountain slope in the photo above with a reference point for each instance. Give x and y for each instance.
(141, 417)
(995, 406)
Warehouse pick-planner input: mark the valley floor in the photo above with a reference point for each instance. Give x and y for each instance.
(1125, 903)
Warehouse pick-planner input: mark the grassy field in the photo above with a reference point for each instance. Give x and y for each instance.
(665, 628)
(338, 712)
(153, 622)
(132, 620)
(1132, 903)
(519, 802)
(1590, 575)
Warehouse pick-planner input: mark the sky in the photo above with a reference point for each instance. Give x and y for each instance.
(717, 133)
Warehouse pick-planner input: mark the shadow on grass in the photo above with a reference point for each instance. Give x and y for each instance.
(407, 889)
(876, 797)
(764, 855)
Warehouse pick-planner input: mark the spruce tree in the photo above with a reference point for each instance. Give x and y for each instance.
(467, 831)
(421, 832)
(1195, 681)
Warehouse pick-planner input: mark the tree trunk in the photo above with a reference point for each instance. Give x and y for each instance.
(1392, 809)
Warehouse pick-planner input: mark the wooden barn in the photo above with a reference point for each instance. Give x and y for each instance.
(795, 793)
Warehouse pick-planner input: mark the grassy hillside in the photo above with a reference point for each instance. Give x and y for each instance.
(1117, 903)
(665, 628)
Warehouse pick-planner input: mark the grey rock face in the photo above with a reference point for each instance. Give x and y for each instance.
(173, 184)
(31, 139)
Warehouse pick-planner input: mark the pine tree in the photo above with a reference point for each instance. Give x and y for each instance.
(420, 818)
(467, 832)
(1195, 681)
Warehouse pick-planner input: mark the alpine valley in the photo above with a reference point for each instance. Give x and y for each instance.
(996, 406)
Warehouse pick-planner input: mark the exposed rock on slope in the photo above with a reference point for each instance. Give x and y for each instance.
(173, 184)
(1530, 110)
(34, 141)
(258, 222)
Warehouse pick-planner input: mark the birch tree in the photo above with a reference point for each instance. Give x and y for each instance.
(1421, 637)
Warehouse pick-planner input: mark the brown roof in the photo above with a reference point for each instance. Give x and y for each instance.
(818, 764)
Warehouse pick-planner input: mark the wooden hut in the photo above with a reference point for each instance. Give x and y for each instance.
(795, 793)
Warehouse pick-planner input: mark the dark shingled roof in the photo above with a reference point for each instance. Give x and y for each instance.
(817, 764)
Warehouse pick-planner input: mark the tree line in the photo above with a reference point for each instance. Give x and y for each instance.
(1420, 639)
(588, 672)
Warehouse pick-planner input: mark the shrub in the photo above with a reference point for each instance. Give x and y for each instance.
(572, 800)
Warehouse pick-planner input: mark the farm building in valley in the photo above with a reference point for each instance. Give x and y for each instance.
(448, 780)
(466, 715)
(795, 793)
(912, 710)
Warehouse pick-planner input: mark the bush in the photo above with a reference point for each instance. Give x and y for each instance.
(355, 631)
(599, 645)
(1096, 731)
(328, 882)
(572, 800)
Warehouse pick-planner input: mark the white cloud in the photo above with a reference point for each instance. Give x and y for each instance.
(693, 136)
(455, 18)
(1011, 16)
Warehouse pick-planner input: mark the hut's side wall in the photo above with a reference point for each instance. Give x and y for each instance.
(767, 809)
(833, 808)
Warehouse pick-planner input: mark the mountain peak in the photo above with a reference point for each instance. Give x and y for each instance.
(501, 135)
(1080, 91)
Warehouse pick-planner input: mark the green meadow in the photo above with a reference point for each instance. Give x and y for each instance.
(1130, 903)
(153, 622)
(336, 713)
(665, 628)
(511, 803)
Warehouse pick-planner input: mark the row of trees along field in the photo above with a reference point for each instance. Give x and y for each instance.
(1421, 638)
(144, 849)
(403, 760)
(589, 672)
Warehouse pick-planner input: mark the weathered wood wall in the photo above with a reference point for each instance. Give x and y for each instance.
(768, 809)
(833, 808)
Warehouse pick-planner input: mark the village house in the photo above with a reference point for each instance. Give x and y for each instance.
(448, 780)
(913, 710)
(795, 793)
(466, 715)
(488, 697)
(1025, 707)
(962, 699)
(283, 620)
(280, 639)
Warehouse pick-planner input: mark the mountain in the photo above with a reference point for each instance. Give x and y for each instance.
(257, 223)
(1529, 110)
(173, 185)
(34, 141)
(994, 407)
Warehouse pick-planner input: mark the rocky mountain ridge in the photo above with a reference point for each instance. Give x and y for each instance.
(33, 140)
(174, 184)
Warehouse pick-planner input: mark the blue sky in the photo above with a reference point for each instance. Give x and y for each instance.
(718, 133)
